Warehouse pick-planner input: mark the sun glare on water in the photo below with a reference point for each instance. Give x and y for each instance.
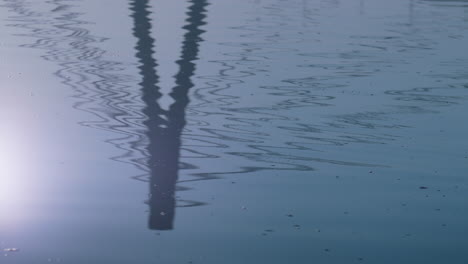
(12, 179)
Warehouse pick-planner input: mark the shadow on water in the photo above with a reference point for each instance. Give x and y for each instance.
(164, 127)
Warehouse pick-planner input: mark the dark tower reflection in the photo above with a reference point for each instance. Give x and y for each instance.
(164, 127)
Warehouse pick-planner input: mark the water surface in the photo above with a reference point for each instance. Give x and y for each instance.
(298, 131)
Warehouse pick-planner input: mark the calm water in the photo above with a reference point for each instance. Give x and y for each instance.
(202, 131)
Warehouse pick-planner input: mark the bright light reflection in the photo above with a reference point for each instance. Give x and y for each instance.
(11, 179)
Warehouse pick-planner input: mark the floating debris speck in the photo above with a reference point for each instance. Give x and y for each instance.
(11, 249)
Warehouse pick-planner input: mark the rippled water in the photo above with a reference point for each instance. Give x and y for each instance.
(293, 131)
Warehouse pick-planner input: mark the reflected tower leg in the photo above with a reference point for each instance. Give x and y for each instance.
(164, 128)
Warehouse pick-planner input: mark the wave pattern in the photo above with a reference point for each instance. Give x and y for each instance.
(100, 86)
(275, 105)
(286, 95)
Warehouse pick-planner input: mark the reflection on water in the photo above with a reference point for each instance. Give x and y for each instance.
(100, 86)
(164, 127)
(225, 121)
(104, 90)
(304, 110)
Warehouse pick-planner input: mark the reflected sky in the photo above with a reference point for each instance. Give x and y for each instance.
(252, 132)
(12, 184)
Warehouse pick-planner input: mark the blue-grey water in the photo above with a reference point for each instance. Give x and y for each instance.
(227, 132)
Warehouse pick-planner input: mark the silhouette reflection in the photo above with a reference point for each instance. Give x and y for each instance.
(164, 127)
